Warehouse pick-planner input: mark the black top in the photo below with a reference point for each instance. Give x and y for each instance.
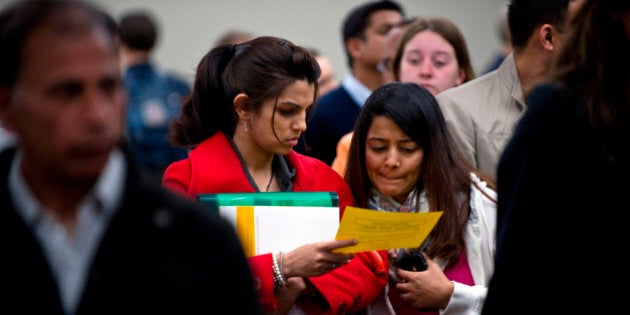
(190, 263)
(335, 116)
(561, 215)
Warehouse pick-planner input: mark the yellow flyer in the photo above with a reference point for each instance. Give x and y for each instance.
(377, 230)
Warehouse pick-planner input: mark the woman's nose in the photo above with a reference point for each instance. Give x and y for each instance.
(393, 158)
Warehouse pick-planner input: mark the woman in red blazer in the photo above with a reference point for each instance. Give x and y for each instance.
(247, 111)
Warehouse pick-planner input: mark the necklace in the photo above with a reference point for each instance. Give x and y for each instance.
(270, 180)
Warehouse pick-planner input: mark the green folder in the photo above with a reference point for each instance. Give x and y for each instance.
(306, 199)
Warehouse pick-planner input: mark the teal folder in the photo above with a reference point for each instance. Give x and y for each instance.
(305, 199)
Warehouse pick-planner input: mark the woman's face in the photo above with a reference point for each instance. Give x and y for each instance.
(392, 159)
(430, 61)
(289, 120)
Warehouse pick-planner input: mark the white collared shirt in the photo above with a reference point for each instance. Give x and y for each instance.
(70, 253)
(358, 92)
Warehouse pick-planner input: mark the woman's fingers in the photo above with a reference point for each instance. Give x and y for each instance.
(332, 245)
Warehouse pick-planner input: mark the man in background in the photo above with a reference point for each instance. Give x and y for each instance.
(154, 94)
(364, 30)
(481, 114)
(385, 67)
(81, 231)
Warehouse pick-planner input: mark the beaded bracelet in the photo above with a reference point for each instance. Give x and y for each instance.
(278, 277)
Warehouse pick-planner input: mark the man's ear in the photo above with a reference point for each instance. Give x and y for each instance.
(547, 37)
(354, 46)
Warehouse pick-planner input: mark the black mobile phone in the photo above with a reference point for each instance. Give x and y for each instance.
(411, 261)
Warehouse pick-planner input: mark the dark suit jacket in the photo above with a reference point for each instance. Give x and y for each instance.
(160, 254)
(334, 116)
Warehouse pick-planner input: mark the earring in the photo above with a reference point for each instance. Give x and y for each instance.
(245, 126)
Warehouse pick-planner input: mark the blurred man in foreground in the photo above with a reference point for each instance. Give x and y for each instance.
(80, 230)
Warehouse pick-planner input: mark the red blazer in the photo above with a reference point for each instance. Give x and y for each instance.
(214, 167)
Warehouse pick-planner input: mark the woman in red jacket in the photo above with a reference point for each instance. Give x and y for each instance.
(248, 108)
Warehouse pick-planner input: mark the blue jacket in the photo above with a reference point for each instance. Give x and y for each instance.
(155, 98)
(334, 116)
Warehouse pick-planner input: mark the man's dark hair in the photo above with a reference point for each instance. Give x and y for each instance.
(138, 30)
(21, 18)
(525, 16)
(358, 19)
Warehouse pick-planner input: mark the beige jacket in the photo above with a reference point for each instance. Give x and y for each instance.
(481, 114)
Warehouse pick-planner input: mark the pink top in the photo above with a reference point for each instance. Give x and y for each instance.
(460, 272)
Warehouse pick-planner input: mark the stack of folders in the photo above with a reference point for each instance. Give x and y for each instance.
(277, 221)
